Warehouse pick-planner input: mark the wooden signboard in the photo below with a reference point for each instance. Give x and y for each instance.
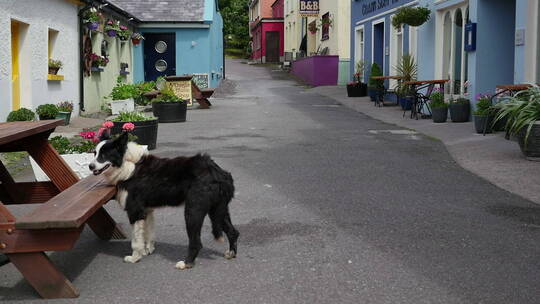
(201, 80)
(181, 87)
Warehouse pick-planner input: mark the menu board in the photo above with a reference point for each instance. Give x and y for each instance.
(201, 80)
(182, 89)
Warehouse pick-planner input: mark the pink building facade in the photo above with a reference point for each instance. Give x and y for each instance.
(266, 30)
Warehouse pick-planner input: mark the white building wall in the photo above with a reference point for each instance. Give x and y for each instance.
(40, 16)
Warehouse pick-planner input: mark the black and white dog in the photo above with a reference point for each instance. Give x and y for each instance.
(146, 182)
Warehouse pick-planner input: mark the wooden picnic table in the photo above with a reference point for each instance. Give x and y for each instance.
(65, 206)
(200, 95)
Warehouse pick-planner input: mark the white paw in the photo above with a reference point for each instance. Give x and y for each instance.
(229, 254)
(149, 249)
(182, 266)
(131, 259)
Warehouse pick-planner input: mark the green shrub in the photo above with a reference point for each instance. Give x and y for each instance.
(131, 117)
(55, 63)
(437, 100)
(140, 89)
(21, 114)
(375, 71)
(47, 111)
(483, 106)
(123, 90)
(167, 95)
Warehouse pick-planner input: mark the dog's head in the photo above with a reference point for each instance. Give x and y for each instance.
(109, 153)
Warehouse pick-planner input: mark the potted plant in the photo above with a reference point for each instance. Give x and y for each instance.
(21, 114)
(145, 128)
(122, 97)
(64, 111)
(407, 69)
(47, 111)
(375, 87)
(522, 112)
(54, 66)
(460, 110)
(412, 16)
(484, 114)
(356, 88)
(112, 28)
(136, 38)
(168, 107)
(124, 33)
(312, 27)
(439, 108)
(91, 19)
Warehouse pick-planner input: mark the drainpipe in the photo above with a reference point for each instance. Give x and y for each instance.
(81, 57)
(261, 43)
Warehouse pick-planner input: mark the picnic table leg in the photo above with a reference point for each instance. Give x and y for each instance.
(104, 226)
(53, 165)
(39, 271)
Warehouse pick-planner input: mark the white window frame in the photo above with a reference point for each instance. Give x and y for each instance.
(373, 23)
(359, 48)
(394, 59)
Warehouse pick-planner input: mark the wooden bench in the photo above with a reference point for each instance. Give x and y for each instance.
(66, 205)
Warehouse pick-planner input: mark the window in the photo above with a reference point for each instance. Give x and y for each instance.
(325, 28)
(359, 46)
(52, 41)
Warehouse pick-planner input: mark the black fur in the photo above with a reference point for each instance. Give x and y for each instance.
(197, 181)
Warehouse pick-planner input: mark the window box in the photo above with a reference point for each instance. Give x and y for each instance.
(96, 69)
(55, 77)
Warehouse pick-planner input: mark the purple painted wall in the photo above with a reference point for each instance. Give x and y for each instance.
(317, 70)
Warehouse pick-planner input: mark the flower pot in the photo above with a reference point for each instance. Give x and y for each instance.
(499, 126)
(41, 117)
(353, 90)
(460, 112)
(77, 162)
(483, 122)
(124, 105)
(170, 111)
(532, 147)
(92, 25)
(146, 131)
(135, 41)
(406, 103)
(111, 33)
(439, 114)
(66, 116)
(53, 71)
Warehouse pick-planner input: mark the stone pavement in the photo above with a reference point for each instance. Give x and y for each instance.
(491, 157)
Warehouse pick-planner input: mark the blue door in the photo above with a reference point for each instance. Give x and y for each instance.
(159, 55)
(378, 45)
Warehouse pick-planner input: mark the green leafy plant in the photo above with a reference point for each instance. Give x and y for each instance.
(167, 95)
(131, 117)
(123, 90)
(65, 106)
(47, 111)
(142, 88)
(437, 100)
(112, 25)
(412, 16)
(522, 111)
(407, 69)
(61, 144)
(483, 106)
(91, 15)
(57, 64)
(124, 33)
(359, 70)
(373, 83)
(21, 114)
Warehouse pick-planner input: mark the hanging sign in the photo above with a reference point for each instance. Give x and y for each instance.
(309, 8)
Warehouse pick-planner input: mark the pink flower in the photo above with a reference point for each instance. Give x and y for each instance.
(108, 124)
(128, 126)
(87, 135)
(123, 27)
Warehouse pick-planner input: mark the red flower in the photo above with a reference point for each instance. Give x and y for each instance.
(87, 135)
(108, 124)
(128, 126)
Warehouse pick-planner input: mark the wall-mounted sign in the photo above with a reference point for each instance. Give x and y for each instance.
(309, 8)
(470, 37)
(520, 37)
(375, 6)
(201, 80)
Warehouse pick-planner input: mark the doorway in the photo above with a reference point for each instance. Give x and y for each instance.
(378, 44)
(159, 55)
(272, 46)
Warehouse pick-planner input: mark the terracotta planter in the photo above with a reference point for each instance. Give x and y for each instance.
(135, 41)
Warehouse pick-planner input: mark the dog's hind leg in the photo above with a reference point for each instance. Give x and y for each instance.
(216, 217)
(232, 236)
(137, 242)
(194, 222)
(149, 233)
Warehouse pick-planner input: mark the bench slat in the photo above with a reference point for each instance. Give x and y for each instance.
(71, 208)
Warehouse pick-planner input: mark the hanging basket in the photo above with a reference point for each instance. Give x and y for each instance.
(412, 16)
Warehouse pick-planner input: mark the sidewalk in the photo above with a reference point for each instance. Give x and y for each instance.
(492, 157)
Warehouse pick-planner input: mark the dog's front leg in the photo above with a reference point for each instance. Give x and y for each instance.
(137, 243)
(149, 235)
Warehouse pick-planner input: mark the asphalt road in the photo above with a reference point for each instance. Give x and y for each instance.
(331, 207)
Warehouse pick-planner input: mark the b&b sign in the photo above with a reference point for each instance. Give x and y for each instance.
(309, 8)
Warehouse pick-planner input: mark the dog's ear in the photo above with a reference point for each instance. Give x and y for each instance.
(104, 134)
(122, 140)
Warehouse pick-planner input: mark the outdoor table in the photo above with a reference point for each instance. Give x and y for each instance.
(421, 99)
(398, 78)
(65, 205)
